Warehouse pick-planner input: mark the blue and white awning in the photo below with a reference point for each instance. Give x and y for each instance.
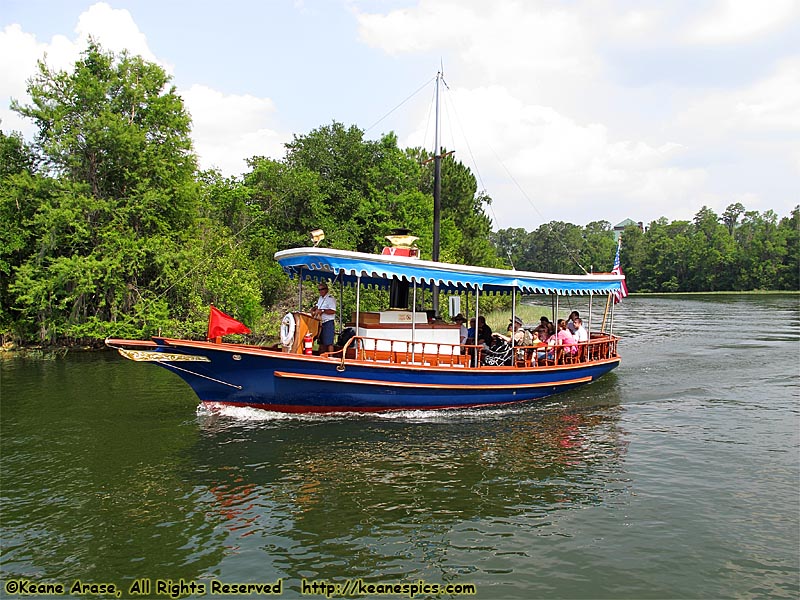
(379, 270)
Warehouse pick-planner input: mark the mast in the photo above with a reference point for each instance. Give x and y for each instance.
(437, 195)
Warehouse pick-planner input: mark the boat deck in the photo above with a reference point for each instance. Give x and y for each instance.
(386, 351)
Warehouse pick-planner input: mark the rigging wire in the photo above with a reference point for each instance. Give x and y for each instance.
(414, 93)
(210, 256)
(449, 102)
(569, 252)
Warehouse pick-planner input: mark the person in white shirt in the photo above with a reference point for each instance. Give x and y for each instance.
(459, 318)
(325, 311)
(580, 335)
(571, 325)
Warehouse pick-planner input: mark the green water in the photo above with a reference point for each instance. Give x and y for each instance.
(675, 476)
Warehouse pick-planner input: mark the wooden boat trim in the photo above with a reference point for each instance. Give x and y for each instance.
(442, 366)
(406, 384)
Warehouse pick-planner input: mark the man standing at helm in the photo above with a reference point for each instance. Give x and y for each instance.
(325, 311)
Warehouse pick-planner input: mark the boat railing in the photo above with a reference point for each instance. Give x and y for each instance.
(436, 354)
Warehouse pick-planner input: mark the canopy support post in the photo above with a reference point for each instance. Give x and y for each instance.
(555, 318)
(477, 325)
(414, 322)
(341, 305)
(611, 321)
(300, 290)
(605, 314)
(358, 306)
(513, 317)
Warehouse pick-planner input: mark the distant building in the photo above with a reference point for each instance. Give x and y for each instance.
(620, 227)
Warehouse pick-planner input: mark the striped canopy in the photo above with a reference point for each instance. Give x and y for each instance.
(379, 270)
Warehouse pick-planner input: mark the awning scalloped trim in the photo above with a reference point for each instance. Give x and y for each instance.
(379, 270)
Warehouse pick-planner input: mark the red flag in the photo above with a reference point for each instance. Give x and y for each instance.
(220, 324)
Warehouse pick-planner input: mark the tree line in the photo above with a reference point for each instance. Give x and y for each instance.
(110, 229)
(740, 250)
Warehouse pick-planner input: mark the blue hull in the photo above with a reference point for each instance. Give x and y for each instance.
(241, 376)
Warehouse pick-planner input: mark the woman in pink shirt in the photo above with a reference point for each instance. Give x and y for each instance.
(565, 338)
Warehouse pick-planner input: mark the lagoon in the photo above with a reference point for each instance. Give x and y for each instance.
(676, 475)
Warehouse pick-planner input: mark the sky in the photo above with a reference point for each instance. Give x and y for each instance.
(571, 110)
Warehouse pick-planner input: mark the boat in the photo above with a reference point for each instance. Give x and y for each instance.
(401, 358)
(398, 359)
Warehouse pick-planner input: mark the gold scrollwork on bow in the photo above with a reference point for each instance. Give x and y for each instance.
(149, 356)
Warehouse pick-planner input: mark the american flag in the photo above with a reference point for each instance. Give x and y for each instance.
(617, 270)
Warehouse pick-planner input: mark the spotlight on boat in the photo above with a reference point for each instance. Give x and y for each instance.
(317, 235)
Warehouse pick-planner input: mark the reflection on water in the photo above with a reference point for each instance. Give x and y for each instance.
(389, 495)
(673, 476)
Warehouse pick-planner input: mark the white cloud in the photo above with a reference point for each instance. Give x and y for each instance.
(494, 38)
(769, 107)
(736, 20)
(597, 109)
(558, 161)
(115, 30)
(227, 129)
(601, 106)
(19, 54)
(773, 104)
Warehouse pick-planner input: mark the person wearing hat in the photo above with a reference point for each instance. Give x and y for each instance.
(325, 311)
(518, 333)
(463, 335)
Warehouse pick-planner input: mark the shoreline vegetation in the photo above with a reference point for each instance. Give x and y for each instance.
(496, 318)
(110, 229)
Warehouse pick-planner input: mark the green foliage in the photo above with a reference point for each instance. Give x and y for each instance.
(19, 198)
(94, 228)
(739, 251)
(110, 230)
(465, 228)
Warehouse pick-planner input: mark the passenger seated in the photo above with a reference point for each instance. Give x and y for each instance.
(484, 332)
(549, 328)
(565, 338)
(543, 333)
(463, 332)
(471, 333)
(520, 336)
(571, 321)
(580, 334)
(539, 346)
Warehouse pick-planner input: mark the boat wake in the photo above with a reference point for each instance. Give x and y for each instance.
(249, 414)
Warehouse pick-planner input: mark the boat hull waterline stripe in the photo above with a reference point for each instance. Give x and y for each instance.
(403, 384)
